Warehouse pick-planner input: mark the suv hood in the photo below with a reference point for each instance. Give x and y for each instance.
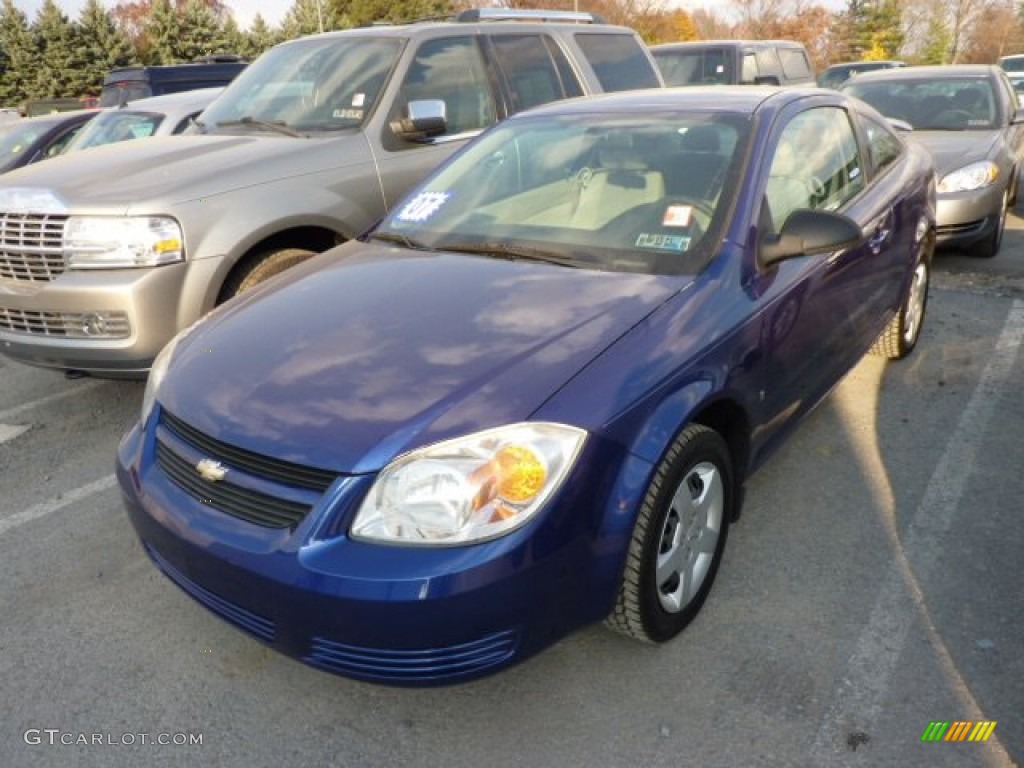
(955, 149)
(368, 351)
(175, 169)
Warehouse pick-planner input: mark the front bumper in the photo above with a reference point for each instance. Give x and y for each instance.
(38, 319)
(390, 614)
(965, 218)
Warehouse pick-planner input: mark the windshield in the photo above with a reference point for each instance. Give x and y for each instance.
(1012, 64)
(115, 125)
(16, 139)
(319, 84)
(713, 65)
(604, 192)
(933, 104)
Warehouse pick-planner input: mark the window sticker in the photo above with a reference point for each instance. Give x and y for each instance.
(347, 114)
(677, 216)
(664, 242)
(423, 206)
(358, 99)
(720, 68)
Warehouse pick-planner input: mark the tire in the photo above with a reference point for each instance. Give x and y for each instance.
(989, 247)
(901, 334)
(261, 267)
(680, 532)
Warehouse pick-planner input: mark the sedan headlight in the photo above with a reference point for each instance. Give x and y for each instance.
(469, 489)
(970, 177)
(105, 242)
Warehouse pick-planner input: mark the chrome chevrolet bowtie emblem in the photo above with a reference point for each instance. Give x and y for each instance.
(211, 470)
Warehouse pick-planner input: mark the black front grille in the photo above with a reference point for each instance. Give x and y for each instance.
(256, 464)
(224, 496)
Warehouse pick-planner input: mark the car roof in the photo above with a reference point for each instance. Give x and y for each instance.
(873, 63)
(197, 97)
(58, 118)
(695, 44)
(928, 71)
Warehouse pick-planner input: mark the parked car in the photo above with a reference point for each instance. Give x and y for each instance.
(970, 118)
(156, 116)
(837, 74)
(310, 146)
(31, 139)
(125, 84)
(731, 62)
(529, 400)
(1013, 65)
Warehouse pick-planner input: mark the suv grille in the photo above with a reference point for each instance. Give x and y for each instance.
(31, 246)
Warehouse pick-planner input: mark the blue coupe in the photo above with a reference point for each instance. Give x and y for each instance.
(530, 398)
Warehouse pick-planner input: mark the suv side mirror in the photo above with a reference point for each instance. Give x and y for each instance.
(1018, 116)
(807, 233)
(426, 118)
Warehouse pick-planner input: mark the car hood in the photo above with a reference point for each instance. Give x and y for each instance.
(955, 149)
(366, 351)
(130, 175)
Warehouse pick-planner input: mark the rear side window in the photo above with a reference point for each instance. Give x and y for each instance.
(883, 148)
(618, 61)
(536, 73)
(768, 62)
(794, 63)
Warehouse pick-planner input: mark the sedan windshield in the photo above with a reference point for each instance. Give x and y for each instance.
(951, 104)
(319, 84)
(115, 125)
(593, 191)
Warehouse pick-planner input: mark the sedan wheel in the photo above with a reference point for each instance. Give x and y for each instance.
(900, 337)
(990, 246)
(678, 539)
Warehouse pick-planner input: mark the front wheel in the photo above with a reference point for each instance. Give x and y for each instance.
(901, 334)
(262, 267)
(678, 538)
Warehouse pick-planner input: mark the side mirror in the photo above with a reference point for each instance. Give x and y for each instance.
(1018, 116)
(900, 125)
(808, 233)
(426, 118)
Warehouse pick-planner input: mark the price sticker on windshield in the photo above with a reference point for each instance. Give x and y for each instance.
(423, 206)
(677, 216)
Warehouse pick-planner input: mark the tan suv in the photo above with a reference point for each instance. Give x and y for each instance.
(105, 254)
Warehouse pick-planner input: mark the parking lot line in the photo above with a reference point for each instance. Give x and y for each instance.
(856, 703)
(19, 409)
(8, 432)
(59, 502)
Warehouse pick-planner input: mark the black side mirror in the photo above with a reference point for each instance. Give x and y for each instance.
(808, 233)
(426, 118)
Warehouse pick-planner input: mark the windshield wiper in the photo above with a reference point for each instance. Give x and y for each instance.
(249, 120)
(397, 237)
(512, 252)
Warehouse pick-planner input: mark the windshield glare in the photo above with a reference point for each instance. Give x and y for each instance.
(933, 105)
(601, 192)
(311, 85)
(114, 126)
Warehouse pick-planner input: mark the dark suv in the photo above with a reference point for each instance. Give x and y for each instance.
(118, 248)
(125, 84)
(734, 62)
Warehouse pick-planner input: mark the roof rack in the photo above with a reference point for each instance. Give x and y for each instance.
(517, 14)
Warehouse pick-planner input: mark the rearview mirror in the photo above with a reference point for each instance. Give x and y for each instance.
(807, 233)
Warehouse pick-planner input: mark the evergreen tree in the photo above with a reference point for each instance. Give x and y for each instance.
(308, 17)
(200, 32)
(362, 12)
(162, 31)
(62, 63)
(939, 41)
(103, 45)
(17, 55)
(258, 38)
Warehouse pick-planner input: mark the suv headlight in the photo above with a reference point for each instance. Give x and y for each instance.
(970, 177)
(468, 489)
(105, 242)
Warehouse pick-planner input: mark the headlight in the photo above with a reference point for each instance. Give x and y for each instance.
(98, 242)
(156, 375)
(973, 176)
(469, 489)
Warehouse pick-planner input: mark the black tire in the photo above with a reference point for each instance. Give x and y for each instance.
(990, 246)
(901, 334)
(697, 471)
(261, 267)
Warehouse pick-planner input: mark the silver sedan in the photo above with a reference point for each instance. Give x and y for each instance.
(970, 118)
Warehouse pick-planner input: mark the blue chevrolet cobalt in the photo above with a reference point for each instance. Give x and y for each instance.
(530, 398)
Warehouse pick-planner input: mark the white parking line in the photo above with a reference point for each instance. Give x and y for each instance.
(856, 703)
(8, 432)
(52, 505)
(19, 409)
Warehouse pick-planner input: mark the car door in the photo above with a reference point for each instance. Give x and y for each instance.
(449, 69)
(822, 307)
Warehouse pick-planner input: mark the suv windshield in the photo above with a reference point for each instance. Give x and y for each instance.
(320, 84)
(600, 192)
(113, 126)
(932, 104)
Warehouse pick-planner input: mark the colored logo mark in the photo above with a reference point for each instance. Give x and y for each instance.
(958, 730)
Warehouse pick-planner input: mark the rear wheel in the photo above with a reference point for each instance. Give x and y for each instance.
(262, 267)
(900, 337)
(678, 538)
